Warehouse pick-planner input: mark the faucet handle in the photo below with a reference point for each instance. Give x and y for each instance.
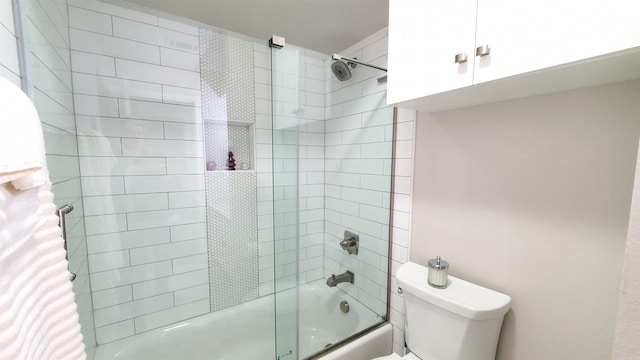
(350, 243)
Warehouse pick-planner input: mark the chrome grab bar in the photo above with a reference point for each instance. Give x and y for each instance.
(62, 212)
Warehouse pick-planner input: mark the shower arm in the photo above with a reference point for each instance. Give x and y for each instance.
(340, 57)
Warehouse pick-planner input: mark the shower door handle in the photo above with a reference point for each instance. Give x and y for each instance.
(62, 212)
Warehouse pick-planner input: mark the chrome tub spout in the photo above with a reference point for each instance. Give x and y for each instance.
(334, 280)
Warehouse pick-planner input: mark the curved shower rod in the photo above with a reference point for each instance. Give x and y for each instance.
(340, 57)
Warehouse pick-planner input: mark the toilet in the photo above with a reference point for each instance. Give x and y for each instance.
(459, 322)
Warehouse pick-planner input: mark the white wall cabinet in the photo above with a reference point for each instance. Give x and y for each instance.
(535, 47)
(426, 35)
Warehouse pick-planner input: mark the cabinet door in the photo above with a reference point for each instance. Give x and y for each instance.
(424, 37)
(526, 35)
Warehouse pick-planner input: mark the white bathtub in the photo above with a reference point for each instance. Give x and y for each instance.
(247, 332)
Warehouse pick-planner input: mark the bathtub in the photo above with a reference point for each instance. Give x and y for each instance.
(247, 331)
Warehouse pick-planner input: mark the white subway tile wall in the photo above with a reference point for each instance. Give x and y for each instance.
(9, 64)
(136, 86)
(357, 147)
(358, 157)
(298, 169)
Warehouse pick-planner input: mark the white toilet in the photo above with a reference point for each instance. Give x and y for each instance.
(460, 322)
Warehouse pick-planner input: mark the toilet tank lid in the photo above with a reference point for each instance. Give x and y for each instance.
(461, 297)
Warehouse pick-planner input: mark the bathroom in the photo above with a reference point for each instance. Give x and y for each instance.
(510, 201)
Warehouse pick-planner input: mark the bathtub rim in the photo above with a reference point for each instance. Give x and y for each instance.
(353, 338)
(109, 350)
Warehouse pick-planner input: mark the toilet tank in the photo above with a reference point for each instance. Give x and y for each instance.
(459, 322)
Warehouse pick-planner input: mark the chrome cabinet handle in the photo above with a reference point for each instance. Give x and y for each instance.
(483, 50)
(62, 212)
(461, 58)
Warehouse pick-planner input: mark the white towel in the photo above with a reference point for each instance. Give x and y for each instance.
(21, 152)
(38, 317)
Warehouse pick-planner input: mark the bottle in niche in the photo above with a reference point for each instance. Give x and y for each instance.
(231, 162)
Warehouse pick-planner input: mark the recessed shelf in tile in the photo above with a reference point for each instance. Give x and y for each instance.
(221, 138)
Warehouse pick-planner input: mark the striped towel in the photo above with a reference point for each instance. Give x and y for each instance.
(38, 317)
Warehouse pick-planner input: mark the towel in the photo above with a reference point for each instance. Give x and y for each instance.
(38, 315)
(21, 152)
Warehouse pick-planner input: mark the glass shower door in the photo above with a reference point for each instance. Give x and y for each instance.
(332, 169)
(285, 132)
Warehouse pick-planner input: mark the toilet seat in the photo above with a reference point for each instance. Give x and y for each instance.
(394, 356)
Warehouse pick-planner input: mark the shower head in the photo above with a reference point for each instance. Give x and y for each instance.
(341, 70)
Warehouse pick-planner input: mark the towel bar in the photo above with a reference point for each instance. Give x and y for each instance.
(62, 212)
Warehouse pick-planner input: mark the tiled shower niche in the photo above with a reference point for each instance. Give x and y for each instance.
(228, 102)
(222, 138)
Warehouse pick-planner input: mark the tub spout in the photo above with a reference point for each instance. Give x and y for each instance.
(336, 279)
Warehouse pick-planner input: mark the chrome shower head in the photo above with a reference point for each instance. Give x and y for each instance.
(341, 70)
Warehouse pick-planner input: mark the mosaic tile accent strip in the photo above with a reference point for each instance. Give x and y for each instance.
(233, 237)
(227, 77)
(219, 139)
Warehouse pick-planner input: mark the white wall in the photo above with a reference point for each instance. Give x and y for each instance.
(531, 198)
(626, 344)
(9, 68)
